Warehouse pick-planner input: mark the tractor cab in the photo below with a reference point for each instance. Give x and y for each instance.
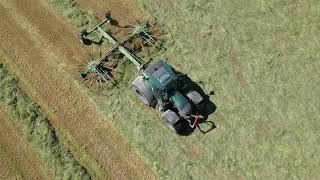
(161, 76)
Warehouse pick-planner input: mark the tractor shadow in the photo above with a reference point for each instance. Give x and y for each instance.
(207, 107)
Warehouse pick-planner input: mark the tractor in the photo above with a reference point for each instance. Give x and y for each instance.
(157, 85)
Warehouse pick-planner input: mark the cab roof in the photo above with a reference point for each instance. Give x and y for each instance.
(160, 73)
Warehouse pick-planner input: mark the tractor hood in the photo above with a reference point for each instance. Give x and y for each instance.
(181, 103)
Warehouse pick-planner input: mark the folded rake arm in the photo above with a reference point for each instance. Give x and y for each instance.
(139, 30)
(95, 66)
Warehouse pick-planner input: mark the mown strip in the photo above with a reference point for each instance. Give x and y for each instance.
(38, 131)
(79, 18)
(74, 15)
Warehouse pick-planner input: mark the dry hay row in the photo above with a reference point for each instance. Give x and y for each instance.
(38, 131)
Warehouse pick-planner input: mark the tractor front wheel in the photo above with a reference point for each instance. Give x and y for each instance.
(141, 91)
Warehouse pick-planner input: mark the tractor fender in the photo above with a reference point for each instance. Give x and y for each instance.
(181, 103)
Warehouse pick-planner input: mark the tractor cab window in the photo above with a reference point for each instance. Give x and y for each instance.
(163, 78)
(161, 75)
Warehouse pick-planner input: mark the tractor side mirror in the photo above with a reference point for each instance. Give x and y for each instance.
(145, 77)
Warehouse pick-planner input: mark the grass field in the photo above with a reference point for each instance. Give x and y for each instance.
(261, 58)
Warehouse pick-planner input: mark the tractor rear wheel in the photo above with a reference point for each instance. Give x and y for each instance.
(195, 98)
(172, 127)
(141, 91)
(172, 121)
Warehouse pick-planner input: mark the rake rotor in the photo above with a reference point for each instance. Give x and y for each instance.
(97, 71)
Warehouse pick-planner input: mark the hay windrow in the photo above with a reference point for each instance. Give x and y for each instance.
(38, 131)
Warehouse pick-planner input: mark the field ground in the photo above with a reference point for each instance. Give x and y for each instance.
(18, 160)
(261, 59)
(125, 11)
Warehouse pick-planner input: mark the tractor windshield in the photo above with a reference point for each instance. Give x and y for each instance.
(161, 75)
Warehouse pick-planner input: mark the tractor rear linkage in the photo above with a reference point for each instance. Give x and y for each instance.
(155, 79)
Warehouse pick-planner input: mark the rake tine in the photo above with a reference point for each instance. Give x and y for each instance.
(113, 69)
(80, 62)
(91, 50)
(91, 81)
(137, 21)
(76, 67)
(141, 45)
(129, 24)
(75, 76)
(82, 80)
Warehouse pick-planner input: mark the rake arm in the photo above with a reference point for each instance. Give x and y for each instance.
(95, 65)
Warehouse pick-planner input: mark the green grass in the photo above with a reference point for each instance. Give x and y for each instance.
(38, 131)
(261, 58)
(74, 15)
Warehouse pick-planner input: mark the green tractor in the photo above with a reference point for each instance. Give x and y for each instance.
(158, 85)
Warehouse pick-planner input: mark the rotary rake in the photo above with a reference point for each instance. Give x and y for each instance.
(98, 71)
